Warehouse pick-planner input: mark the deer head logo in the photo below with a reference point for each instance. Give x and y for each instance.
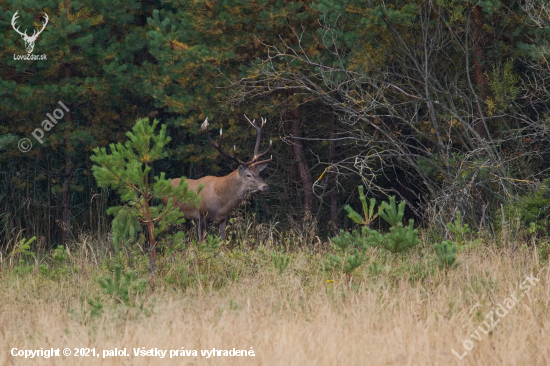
(29, 40)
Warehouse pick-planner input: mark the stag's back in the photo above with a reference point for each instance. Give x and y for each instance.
(219, 196)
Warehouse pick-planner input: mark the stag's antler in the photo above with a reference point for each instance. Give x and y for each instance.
(254, 160)
(204, 127)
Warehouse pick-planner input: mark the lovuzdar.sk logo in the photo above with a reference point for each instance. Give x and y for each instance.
(29, 40)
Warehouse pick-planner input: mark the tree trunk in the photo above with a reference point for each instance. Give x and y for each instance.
(479, 52)
(333, 182)
(68, 173)
(300, 160)
(479, 63)
(67, 191)
(152, 252)
(151, 231)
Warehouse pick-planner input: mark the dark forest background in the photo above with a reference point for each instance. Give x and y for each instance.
(443, 103)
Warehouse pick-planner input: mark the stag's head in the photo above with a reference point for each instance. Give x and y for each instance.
(249, 172)
(250, 177)
(29, 40)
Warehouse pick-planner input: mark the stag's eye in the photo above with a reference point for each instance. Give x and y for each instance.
(249, 175)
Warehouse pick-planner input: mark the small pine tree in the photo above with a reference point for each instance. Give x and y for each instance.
(23, 247)
(368, 211)
(399, 239)
(392, 213)
(459, 232)
(126, 169)
(351, 252)
(280, 261)
(458, 229)
(446, 254)
(120, 286)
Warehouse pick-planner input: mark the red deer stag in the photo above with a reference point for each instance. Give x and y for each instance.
(220, 195)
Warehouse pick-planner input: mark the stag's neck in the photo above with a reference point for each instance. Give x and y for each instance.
(231, 192)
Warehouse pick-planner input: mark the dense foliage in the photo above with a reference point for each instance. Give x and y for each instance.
(443, 104)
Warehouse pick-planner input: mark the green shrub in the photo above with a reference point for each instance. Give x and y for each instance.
(23, 269)
(57, 265)
(530, 214)
(351, 249)
(445, 254)
(392, 213)
(400, 238)
(23, 248)
(368, 211)
(350, 252)
(458, 229)
(121, 286)
(544, 252)
(280, 261)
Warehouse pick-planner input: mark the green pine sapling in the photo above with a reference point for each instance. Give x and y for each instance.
(400, 238)
(351, 252)
(368, 212)
(446, 254)
(280, 261)
(122, 285)
(126, 169)
(391, 213)
(23, 247)
(351, 249)
(459, 231)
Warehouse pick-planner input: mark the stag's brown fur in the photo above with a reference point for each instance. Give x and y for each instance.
(221, 195)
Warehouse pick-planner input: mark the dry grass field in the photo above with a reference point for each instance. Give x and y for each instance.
(395, 311)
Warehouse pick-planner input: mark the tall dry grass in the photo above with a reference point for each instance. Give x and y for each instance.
(294, 318)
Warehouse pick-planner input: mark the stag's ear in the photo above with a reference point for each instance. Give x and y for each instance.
(260, 167)
(242, 169)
